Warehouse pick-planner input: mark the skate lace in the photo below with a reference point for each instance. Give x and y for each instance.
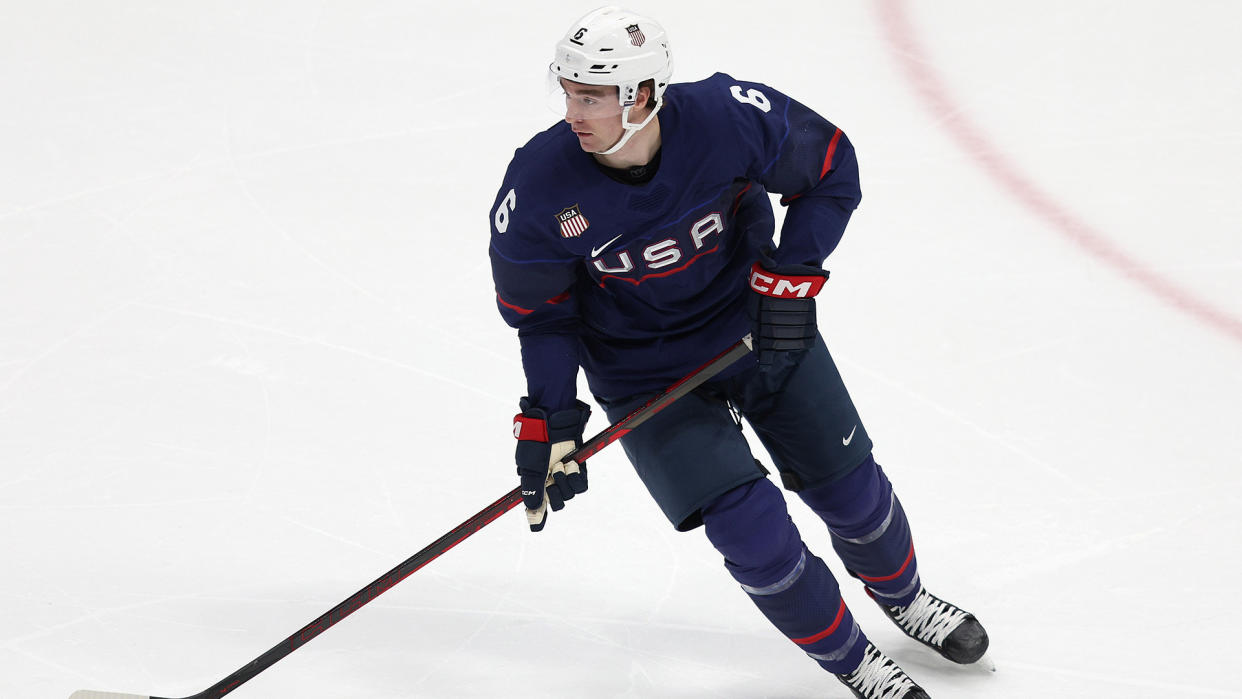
(878, 677)
(929, 618)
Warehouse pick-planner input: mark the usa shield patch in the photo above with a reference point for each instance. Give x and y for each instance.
(573, 223)
(636, 35)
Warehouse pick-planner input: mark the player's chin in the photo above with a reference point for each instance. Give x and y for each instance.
(587, 141)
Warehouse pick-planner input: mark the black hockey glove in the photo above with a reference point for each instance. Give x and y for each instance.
(543, 440)
(782, 307)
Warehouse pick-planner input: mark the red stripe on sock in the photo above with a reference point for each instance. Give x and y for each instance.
(826, 632)
(894, 576)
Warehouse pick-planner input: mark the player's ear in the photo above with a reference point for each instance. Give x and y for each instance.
(643, 99)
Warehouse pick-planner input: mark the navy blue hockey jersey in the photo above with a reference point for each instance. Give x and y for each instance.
(641, 284)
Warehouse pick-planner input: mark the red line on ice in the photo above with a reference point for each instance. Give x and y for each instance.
(917, 66)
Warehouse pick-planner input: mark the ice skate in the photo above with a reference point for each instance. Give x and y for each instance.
(878, 677)
(952, 632)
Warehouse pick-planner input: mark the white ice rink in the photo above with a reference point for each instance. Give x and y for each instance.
(250, 357)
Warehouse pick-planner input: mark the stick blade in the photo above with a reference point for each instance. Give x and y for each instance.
(88, 694)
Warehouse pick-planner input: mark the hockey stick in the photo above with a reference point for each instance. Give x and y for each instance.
(451, 539)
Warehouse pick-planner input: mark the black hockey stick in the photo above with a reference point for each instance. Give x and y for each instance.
(451, 539)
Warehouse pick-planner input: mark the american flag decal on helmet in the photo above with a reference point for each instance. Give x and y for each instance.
(573, 223)
(636, 35)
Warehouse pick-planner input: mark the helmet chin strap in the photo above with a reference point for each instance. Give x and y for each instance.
(630, 129)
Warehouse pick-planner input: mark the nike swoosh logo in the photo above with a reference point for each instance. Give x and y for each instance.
(846, 440)
(596, 251)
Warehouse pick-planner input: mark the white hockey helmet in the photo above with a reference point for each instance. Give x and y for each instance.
(612, 46)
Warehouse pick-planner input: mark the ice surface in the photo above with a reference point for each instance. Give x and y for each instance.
(250, 360)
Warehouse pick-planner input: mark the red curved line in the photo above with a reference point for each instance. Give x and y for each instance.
(519, 309)
(917, 66)
(636, 282)
(832, 628)
(905, 564)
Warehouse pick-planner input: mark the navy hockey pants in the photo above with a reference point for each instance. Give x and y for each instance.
(693, 451)
(697, 465)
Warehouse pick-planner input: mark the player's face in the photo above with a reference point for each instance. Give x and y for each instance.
(594, 114)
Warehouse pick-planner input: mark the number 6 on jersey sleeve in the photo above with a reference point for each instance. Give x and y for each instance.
(507, 205)
(752, 97)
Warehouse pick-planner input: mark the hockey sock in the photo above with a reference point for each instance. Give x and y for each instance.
(869, 532)
(791, 586)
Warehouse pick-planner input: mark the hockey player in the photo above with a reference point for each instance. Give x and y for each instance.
(634, 239)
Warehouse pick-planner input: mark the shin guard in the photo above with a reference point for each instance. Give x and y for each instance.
(870, 532)
(790, 585)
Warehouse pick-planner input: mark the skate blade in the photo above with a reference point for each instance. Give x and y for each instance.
(985, 663)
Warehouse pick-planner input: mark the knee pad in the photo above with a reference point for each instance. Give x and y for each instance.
(869, 531)
(751, 528)
(791, 586)
(849, 503)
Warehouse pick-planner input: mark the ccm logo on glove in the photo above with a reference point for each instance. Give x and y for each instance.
(543, 441)
(785, 286)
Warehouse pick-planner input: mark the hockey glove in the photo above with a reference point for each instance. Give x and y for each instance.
(782, 307)
(543, 440)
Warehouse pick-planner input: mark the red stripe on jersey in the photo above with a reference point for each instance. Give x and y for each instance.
(737, 201)
(559, 298)
(826, 632)
(832, 149)
(827, 167)
(894, 576)
(519, 309)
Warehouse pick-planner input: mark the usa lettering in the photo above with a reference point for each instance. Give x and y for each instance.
(667, 252)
